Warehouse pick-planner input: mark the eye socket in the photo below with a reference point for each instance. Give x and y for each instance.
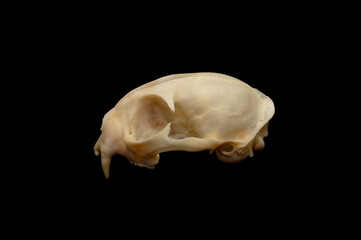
(152, 115)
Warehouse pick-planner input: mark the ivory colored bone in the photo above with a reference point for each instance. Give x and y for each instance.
(186, 112)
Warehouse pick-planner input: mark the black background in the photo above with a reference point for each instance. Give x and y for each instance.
(84, 63)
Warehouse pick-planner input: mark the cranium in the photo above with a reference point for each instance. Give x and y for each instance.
(187, 112)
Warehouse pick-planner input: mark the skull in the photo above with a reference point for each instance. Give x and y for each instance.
(187, 112)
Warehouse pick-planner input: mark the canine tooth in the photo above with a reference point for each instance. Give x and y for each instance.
(106, 165)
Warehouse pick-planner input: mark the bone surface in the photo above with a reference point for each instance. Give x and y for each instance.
(186, 112)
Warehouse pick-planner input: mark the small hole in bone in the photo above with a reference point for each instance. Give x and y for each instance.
(227, 147)
(156, 123)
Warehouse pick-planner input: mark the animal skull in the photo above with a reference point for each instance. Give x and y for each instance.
(189, 112)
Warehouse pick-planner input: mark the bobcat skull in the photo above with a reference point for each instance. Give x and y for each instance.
(189, 112)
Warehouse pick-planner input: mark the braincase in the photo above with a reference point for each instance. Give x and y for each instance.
(220, 105)
(209, 105)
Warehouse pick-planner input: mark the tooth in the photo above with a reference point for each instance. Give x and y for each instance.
(97, 148)
(106, 166)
